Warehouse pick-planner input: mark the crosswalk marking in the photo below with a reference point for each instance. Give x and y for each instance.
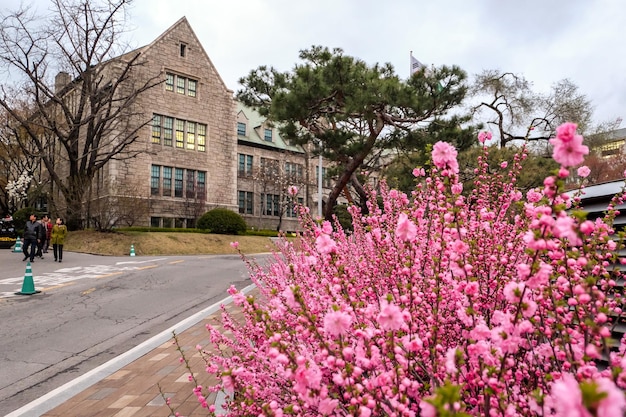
(63, 276)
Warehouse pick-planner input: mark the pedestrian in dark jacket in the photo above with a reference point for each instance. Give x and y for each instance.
(32, 236)
(42, 237)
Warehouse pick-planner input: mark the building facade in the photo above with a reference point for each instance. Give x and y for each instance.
(202, 150)
(268, 167)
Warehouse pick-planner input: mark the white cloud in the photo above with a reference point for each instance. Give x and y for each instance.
(543, 40)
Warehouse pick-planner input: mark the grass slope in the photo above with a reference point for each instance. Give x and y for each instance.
(162, 243)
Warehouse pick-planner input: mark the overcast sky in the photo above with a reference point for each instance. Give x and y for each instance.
(543, 40)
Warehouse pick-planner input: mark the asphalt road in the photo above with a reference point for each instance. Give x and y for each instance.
(94, 308)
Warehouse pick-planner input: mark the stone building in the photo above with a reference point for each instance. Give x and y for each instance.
(201, 150)
(185, 150)
(267, 166)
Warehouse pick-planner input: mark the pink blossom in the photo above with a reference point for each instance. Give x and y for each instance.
(325, 244)
(292, 190)
(419, 172)
(484, 137)
(567, 398)
(444, 156)
(566, 132)
(307, 375)
(504, 164)
(508, 285)
(614, 404)
(327, 227)
(337, 323)
(570, 153)
(533, 196)
(427, 409)
(457, 188)
(565, 227)
(364, 411)
(451, 361)
(584, 171)
(471, 288)
(390, 316)
(513, 291)
(327, 406)
(228, 384)
(406, 229)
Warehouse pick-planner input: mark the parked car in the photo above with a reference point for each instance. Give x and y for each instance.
(8, 234)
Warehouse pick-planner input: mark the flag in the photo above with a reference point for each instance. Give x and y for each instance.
(415, 64)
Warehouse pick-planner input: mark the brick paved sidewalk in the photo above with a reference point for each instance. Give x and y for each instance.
(133, 390)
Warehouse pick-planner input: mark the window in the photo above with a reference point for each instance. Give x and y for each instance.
(293, 170)
(184, 85)
(241, 129)
(178, 182)
(325, 177)
(168, 130)
(156, 128)
(192, 86)
(245, 165)
(269, 167)
(167, 222)
(155, 179)
(291, 208)
(191, 184)
(201, 137)
(191, 135)
(169, 82)
(179, 223)
(167, 181)
(180, 85)
(271, 204)
(183, 50)
(268, 135)
(180, 133)
(245, 202)
(201, 185)
(155, 222)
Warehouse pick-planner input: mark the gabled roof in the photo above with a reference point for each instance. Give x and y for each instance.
(183, 21)
(256, 130)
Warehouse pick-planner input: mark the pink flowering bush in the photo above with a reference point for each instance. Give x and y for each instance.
(437, 304)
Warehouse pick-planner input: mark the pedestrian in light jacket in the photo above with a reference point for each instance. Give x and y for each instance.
(57, 238)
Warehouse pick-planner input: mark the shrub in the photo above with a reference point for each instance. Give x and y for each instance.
(491, 304)
(343, 216)
(222, 221)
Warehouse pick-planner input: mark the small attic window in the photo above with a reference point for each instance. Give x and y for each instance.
(241, 129)
(183, 49)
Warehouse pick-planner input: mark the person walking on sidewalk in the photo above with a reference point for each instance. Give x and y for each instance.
(48, 226)
(57, 237)
(32, 236)
(42, 237)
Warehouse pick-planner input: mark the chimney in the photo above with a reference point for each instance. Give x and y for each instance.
(61, 80)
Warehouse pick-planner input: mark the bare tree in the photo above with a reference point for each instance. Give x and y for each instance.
(124, 208)
(274, 180)
(516, 112)
(70, 69)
